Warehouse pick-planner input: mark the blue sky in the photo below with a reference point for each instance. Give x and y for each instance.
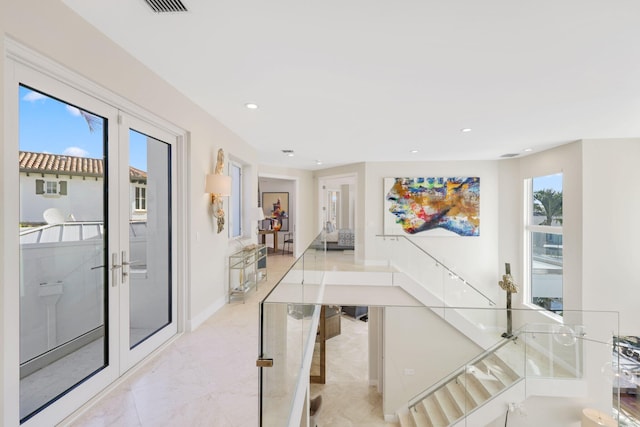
(553, 182)
(51, 126)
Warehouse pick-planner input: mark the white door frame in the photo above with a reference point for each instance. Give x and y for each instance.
(19, 59)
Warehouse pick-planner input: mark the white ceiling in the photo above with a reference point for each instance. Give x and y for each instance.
(369, 80)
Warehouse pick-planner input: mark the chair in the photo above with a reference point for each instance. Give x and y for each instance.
(288, 240)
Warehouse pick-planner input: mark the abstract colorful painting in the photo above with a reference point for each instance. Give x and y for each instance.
(439, 205)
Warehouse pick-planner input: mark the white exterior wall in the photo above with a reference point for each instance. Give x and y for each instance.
(83, 199)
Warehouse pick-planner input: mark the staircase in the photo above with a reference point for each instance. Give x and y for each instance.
(478, 382)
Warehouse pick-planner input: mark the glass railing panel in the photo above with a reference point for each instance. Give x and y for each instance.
(288, 321)
(464, 347)
(544, 358)
(409, 261)
(441, 281)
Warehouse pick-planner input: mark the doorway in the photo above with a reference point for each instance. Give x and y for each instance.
(278, 200)
(97, 276)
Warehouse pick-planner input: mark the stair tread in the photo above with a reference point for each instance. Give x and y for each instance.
(475, 389)
(507, 370)
(420, 418)
(406, 420)
(487, 378)
(434, 412)
(459, 397)
(449, 408)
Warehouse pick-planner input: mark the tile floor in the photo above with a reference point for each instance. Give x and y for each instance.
(208, 377)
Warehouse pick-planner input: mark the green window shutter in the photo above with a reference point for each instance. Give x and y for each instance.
(39, 186)
(63, 188)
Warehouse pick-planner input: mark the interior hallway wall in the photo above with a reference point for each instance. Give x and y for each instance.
(473, 258)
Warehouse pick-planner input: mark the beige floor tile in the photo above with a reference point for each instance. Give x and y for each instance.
(208, 377)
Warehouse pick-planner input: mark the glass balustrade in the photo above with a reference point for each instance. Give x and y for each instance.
(444, 356)
(288, 323)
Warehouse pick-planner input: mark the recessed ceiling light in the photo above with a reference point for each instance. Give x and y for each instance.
(413, 151)
(289, 153)
(465, 130)
(527, 150)
(251, 106)
(318, 162)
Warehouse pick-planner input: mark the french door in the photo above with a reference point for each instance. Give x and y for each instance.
(97, 276)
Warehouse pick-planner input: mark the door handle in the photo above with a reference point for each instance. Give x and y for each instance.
(125, 267)
(114, 266)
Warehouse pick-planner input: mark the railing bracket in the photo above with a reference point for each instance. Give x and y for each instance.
(264, 363)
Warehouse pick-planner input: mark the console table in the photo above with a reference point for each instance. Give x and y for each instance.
(246, 268)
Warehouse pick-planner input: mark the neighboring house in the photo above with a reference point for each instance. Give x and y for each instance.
(73, 185)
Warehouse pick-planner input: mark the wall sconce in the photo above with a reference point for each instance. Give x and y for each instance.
(219, 186)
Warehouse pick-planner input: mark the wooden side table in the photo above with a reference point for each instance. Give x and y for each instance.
(264, 233)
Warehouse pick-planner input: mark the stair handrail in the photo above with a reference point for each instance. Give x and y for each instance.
(438, 262)
(461, 369)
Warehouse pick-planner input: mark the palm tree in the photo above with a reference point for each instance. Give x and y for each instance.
(548, 203)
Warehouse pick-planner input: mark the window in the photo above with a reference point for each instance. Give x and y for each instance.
(544, 245)
(51, 187)
(141, 199)
(235, 201)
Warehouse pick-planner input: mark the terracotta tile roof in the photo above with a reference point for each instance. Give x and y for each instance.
(137, 174)
(69, 165)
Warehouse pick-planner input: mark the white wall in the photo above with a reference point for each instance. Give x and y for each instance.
(473, 258)
(83, 199)
(417, 339)
(587, 245)
(513, 172)
(611, 236)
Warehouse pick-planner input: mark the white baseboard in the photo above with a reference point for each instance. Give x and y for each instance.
(393, 418)
(194, 323)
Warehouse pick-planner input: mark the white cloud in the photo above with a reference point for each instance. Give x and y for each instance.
(73, 110)
(34, 96)
(76, 152)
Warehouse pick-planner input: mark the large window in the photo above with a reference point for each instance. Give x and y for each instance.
(544, 246)
(235, 200)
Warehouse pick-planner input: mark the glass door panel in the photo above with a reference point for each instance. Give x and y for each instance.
(63, 242)
(148, 297)
(150, 281)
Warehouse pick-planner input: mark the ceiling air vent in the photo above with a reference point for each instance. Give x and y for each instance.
(508, 155)
(161, 6)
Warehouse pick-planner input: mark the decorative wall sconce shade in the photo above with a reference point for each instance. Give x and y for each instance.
(219, 186)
